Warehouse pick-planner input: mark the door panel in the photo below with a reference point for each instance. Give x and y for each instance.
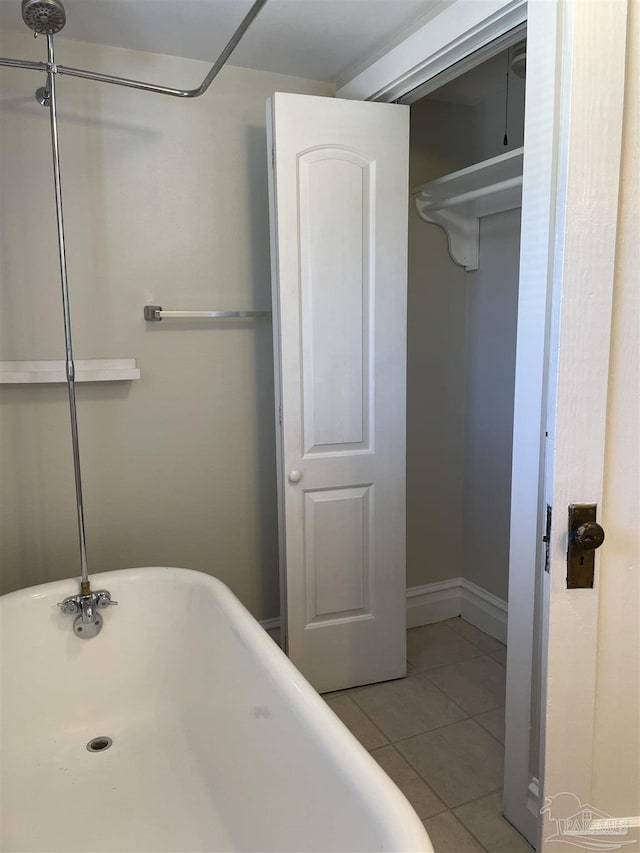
(335, 190)
(338, 191)
(338, 559)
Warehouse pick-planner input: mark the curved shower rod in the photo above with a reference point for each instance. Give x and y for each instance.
(51, 67)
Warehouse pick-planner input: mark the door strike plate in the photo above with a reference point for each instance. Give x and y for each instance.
(585, 535)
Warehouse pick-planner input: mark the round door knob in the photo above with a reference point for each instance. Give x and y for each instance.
(589, 536)
(295, 476)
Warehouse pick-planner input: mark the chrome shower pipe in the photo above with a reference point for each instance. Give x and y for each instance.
(24, 63)
(215, 69)
(69, 364)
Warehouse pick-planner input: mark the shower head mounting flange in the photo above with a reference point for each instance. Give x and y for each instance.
(42, 96)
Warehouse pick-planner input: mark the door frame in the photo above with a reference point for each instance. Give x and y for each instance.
(464, 34)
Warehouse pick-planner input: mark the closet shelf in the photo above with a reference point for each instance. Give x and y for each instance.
(456, 202)
(87, 370)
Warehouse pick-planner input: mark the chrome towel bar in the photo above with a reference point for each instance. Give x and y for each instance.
(156, 313)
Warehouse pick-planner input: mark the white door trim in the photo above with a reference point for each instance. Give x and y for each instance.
(459, 30)
(526, 557)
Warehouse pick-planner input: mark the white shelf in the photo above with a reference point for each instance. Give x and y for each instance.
(87, 370)
(456, 202)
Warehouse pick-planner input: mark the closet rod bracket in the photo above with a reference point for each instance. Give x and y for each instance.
(152, 313)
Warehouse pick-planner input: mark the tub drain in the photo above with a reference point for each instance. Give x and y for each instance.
(99, 744)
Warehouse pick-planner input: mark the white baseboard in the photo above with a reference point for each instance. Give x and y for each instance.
(484, 610)
(435, 602)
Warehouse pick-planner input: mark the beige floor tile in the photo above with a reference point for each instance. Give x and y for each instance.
(449, 836)
(415, 789)
(475, 635)
(437, 645)
(357, 722)
(484, 819)
(407, 707)
(460, 762)
(493, 721)
(477, 685)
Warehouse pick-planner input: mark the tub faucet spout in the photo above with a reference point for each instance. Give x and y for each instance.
(88, 605)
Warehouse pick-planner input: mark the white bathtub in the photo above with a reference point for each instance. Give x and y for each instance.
(218, 742)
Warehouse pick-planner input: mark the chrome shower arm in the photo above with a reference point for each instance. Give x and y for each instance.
(139, 84)
(24, 63)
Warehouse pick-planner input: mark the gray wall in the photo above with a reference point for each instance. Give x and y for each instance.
(166, 203)
(488, 122)
(492, 304)
(462, 329)
(437, 305)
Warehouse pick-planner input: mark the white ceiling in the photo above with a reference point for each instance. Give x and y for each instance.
(309, 38)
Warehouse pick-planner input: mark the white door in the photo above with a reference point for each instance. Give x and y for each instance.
(591, 706)
(562, 664)
(339, 190)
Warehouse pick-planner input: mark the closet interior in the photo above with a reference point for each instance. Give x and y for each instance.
(464, 237)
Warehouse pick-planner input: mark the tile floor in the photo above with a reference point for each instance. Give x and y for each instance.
(439, 734)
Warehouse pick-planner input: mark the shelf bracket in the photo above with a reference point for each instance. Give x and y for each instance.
(462, 228)
(458, 201)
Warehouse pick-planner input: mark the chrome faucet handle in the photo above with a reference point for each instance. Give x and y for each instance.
(103, 598)
(69, 606)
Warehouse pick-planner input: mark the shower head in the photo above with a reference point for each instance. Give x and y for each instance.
(46, 17)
